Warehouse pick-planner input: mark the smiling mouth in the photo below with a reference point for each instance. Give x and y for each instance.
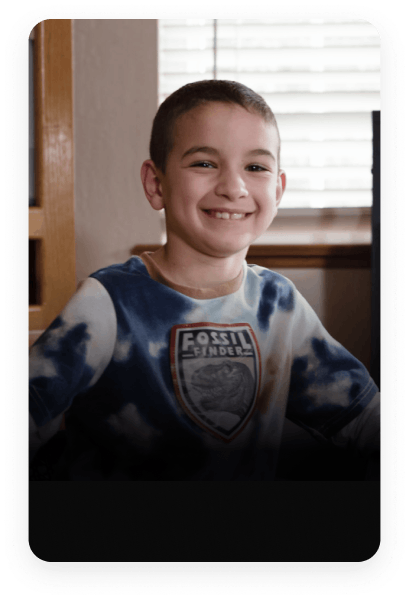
(227, 216)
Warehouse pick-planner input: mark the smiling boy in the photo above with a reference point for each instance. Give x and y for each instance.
(220, 191)
(183, 363)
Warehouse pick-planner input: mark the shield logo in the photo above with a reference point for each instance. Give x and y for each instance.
(216, 371)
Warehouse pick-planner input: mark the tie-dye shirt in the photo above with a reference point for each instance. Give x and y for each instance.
(160, 382)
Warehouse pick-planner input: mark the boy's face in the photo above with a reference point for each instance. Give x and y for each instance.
(222, 187)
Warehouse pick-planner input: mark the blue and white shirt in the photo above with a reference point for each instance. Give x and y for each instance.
(163, 382)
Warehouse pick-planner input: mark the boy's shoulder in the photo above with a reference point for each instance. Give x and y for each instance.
(133, 266)
(125, 280)
(273, 288)
(270, 278)
(268, 274)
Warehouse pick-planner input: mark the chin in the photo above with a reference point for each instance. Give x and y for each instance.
(226, 250)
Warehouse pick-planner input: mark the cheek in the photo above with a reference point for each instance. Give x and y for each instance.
(269, 210)
(195, 182)
(269, 200)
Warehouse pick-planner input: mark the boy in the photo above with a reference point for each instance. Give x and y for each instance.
(182, 364)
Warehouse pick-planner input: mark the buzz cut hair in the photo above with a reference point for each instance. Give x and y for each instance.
(196, 94)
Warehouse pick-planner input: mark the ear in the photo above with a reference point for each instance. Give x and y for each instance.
(280, 187)
(152, 185)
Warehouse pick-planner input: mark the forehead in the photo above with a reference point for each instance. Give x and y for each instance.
(219, 124)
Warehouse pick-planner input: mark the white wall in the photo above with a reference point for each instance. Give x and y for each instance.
(115, 100)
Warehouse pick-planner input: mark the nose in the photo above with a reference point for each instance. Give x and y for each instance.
(231, 185)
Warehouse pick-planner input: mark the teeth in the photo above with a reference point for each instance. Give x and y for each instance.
(225, 215)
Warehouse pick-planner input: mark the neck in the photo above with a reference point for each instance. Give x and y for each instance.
(187, 267)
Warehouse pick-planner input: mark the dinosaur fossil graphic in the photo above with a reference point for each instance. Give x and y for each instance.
(227, 386)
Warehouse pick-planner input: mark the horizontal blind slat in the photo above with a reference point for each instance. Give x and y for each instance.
(327, 179)
(318, 82)
(308, 59)
(354, 58)
(327, 153)
(327, 102)
(326, 198)
(277, 26)
(326, 126)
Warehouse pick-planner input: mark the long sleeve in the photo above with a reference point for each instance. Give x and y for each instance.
(329, 387)
(69, 357)
(363, 432)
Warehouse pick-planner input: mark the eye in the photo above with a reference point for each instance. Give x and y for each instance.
(255, 168)
(203, 163)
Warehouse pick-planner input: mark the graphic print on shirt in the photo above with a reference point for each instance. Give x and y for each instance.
(216, 374)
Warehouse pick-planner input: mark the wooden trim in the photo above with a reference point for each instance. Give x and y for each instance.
(33, 336)
(52, 220)
(140, 248)
(302, 256)
(35, 223)
(319, 256)
(326, 226)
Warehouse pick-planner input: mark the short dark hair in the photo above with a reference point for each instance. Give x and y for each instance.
(198, 93)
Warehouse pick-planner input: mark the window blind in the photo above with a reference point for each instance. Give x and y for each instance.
(320, 78)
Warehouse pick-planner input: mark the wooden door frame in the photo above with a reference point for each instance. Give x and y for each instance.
(51, 221)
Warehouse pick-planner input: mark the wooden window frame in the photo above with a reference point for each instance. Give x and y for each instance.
(301, 256)
(51, 221)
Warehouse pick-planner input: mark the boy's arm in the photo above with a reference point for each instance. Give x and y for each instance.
(363, 432)
(364, 435)
(69, 357)
(38, 436)
(331, 393)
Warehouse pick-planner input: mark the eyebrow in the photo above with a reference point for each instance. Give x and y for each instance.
(210, 150)
(262, 152)
(205, 149)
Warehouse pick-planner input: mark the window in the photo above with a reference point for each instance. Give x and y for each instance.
(322, 81)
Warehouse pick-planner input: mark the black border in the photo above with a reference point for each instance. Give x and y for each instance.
(255, 575)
